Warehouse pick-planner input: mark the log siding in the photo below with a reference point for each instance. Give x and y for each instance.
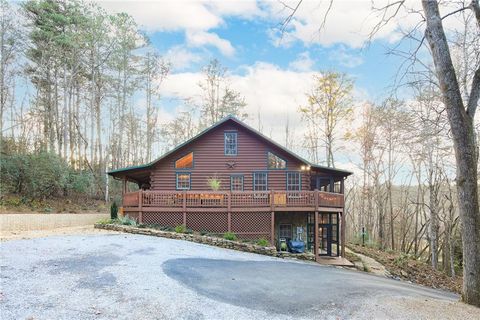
(210, 160)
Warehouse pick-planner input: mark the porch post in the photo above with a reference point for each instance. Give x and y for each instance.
(229, 211)
(315, 247)
(272, 228)
(140, 205)
(184, 208)
(124, 190)
(124, 185)
(342, 232)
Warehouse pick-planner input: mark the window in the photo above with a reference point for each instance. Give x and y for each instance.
(185, 162)
(285, 231)
(260, 181)
(294, 181)
(230, 143)
(183, 181)
(275, 162)
(236, 183)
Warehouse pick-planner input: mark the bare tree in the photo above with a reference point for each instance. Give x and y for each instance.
(329, 103)
(460, 111)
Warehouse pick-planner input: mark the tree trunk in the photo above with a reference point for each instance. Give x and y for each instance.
(461, 124)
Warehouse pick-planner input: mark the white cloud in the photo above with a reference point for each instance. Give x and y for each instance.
(345, 58)
(160, 15)
(351, 22)
(195, 18)
(303, 62)
(269, 90)
(180, 58)
(201, 39)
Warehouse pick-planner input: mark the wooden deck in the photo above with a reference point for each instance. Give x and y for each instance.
(238, 201)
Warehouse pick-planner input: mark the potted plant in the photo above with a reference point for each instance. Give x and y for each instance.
(214, 183)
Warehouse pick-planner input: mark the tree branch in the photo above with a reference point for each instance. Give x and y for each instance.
(474, 94)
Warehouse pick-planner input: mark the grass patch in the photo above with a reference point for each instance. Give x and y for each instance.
(105, 221)
(263, 242)
(230, 236)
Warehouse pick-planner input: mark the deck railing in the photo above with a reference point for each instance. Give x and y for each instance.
(274, 200)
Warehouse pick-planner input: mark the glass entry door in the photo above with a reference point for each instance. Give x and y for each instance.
(328, 235)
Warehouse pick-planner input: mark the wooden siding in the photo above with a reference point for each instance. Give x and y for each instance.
(209, 160)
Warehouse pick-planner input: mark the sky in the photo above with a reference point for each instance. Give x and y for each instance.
(272, 70)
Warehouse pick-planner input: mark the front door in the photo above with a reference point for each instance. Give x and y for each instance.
(328, 234)
(325, 237)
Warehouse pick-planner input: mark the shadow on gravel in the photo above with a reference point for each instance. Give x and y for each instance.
(285, 287)
(88, 267)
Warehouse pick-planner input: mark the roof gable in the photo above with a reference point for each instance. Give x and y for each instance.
(237, 122)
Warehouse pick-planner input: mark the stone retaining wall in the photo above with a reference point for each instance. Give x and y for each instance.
(214, 241)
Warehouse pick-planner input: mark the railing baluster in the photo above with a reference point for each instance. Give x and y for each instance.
(270, 200)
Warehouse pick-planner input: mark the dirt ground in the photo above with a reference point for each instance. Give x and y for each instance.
(31, 234)
(412, 270)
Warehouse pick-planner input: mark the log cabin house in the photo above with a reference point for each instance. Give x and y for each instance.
(230, 177)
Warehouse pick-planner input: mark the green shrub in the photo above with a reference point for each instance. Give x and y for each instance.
(79, 181)
(401, 260)
(127, 221)
(104, 221)
(166, 228)
(114, 210)
(263, 242)
(229, 236)
(181, 228)
(42, 175)
(12, 201)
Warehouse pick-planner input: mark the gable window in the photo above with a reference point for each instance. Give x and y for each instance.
(275, 162)
(185, 162)
(294, 181)
(230, 143)
(236, 183)
(260, 181)
(183, 181)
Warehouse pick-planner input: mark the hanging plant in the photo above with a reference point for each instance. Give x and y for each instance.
(214, 183)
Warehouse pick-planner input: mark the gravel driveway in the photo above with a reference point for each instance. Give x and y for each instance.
(125, 276)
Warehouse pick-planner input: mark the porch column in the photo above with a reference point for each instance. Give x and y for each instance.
(124, 185)
(229, 211)
(140, 206)
(272, 228)
(184, 206)
(315, 246)
(342, 232)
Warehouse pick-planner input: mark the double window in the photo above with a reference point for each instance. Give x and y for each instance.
(260, 181)
(230, 143)
(183, 181)
(294, 184)
(294, 181)
(275, 162)
(236, 183)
